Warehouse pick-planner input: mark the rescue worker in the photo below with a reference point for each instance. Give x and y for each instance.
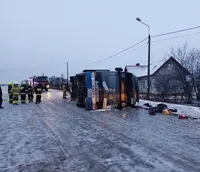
(15, 91)
(1, 99)
(23, 91)
(38, 92)
(64, 91)
(30, 93)
(10, 93)
(67, 87)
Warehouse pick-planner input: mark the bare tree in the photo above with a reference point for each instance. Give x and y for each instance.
(162, 86)
(190, 60)
(169, 87)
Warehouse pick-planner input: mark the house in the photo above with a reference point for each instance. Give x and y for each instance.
(168, 77)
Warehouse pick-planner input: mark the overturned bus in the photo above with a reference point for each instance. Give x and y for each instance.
(105, 89)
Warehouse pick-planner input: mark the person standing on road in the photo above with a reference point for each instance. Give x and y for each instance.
(23, 91)
(10, 93)
(1, 98)
(67, 88)
(38, 92)
(64, 91)
(15, 91)
(30, 93)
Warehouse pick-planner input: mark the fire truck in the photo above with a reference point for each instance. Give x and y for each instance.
(44, 80)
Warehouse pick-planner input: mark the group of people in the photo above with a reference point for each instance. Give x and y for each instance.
(15, 91)
(26, 90)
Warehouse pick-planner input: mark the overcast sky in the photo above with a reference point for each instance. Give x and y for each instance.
(51, 32)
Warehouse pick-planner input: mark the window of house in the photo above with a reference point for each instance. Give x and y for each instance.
(143, 84)
(170, 67)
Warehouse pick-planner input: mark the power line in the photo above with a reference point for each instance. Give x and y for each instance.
(169, 33)
(177, 37)
(178, 31)
(116, 54)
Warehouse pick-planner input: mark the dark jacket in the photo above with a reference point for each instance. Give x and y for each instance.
(38, 89)
(1, 91)
(30, 89)
(9, 88)
(23, 88)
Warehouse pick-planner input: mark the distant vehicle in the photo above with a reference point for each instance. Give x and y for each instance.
(44, 80)
(32, 81)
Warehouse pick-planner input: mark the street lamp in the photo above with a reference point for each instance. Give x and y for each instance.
(149, 42)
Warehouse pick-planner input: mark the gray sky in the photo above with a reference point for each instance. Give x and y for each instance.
(51, 32)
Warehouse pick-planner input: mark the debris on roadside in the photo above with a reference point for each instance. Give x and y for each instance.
(152, 111)
(148, 105)
(183, 117)
(162, 108)
(166, 112)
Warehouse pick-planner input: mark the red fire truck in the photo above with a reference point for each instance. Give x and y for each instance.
(44, 80)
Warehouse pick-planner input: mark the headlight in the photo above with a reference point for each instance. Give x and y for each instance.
(123, 104)
(47, 86)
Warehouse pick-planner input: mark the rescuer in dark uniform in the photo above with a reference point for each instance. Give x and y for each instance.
(1, 99)
(10, 93)
(23, 91)
(67, 88)
(38, 92)
(30, 93)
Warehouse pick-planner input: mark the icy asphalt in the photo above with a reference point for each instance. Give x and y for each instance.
(59, 137)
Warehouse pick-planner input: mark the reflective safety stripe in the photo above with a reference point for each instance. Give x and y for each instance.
(15, 93)
(38, 94)
(23, 93)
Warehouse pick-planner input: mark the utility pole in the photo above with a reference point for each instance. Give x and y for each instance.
(67, 72)
(149, 56)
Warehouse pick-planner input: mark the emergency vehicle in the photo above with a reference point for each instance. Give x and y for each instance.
(33, 81)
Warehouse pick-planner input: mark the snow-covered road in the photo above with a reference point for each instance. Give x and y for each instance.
(57, 136)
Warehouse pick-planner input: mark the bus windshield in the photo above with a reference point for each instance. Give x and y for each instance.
(110, 82)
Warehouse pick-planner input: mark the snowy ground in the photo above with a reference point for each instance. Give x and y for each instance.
(58, 136)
